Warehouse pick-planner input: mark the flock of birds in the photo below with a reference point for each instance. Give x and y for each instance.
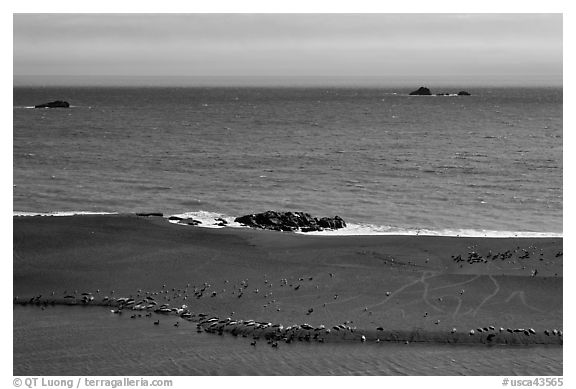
(521, 254)
(145, 303)
(491, 330)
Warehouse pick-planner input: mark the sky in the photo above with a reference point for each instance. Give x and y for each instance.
(387, 49)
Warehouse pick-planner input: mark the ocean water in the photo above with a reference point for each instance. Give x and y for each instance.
(382, 160)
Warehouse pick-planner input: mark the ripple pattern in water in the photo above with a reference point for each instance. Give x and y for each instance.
(491, 161)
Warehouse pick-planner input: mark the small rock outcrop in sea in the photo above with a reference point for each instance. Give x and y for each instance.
(54, 104)
(290, 221)
(422, 91)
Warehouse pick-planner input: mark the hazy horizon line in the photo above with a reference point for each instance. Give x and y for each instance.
(281, 80)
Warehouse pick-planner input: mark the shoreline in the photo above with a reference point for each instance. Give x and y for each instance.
(212, 220)
(414, 288)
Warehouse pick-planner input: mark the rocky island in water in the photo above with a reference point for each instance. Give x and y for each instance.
(423, 91)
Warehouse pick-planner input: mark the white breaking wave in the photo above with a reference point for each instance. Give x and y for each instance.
(62, 213)
(368, 229)
(207, 219)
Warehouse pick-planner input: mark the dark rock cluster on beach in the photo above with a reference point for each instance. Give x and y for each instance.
(54, 104)
(423, 91)
(190, 221)
(290, 221)
(150, 214)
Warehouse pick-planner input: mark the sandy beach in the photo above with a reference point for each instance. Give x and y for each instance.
(275, 288)
(393, 282)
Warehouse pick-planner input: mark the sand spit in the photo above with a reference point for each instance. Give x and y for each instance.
(272, 333)
(258, 284)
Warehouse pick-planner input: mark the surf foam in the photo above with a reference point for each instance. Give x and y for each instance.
(368, 229)
(61, 213)
(207, 219)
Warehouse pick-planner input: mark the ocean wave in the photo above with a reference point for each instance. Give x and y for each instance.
(208, 219)
(61, 213)
(369, 229)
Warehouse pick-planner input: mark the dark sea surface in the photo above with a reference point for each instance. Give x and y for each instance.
(382, 160)
(93, 341)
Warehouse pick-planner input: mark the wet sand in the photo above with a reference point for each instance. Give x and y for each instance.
(398, 289)
(97, 342)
